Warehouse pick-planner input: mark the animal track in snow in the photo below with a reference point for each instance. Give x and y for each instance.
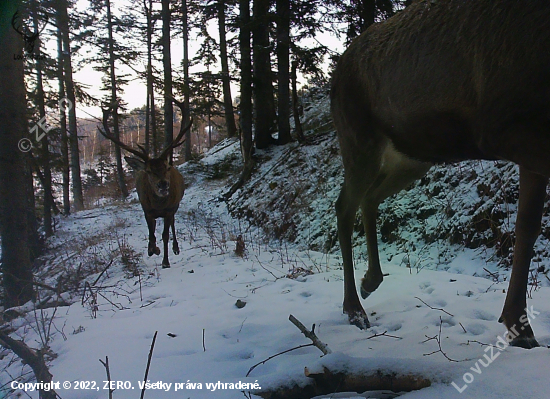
(475, 328)
(483, 315)
(426, 287)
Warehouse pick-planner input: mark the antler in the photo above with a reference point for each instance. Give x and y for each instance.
(107, 133)
(14, 25)
(178, 140)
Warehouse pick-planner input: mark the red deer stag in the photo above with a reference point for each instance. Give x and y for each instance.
(159, 186)
(444, 81)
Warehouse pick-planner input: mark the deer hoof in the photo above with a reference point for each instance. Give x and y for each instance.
(176, 250)
(525, 342)
(157, 251)
(165, 265)
(359, 319)
(369, 285)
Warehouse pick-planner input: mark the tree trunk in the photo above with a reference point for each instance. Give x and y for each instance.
(148, 110)
(63, 129)
(69, 85)
(246, 81)
(114, 100)
(44, 143)
(296, 109)
(16, 263)
(283, 60)
(227, 100)
(186, 111)
(166, 62)
(264, 102)
(245, 105)
(367, 13)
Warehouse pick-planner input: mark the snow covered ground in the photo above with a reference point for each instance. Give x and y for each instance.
(204, 338)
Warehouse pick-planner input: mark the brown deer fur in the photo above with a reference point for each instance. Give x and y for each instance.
(444, 81)
(159, 186)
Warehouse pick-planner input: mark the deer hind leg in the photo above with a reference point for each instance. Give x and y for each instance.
(346, 208)
(397, 171)
(168, 220)
(175, 246)
(151, 225)
(531, 201)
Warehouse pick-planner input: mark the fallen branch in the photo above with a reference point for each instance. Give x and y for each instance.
(437, 338)
(148, 364)
(384, 334)
(329, 382)
(34, 358)
(311, 335)
(278, 354)
(431, 307)
(106, 365)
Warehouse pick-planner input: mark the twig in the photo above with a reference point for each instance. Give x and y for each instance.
(431, 307)
(493, 275)
(106, 365)
(384, 335)
(203, 346)
(148, 364)
(269, 271)
(104, 270)
(463, 327)
(437, 338)
(311, 335)
(278, 354)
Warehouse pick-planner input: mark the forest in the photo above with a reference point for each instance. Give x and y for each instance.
(259, 49)
(231, 97)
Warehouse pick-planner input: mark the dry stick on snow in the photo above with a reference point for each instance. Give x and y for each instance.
(148, 364)
(278, 354)
(106, 365)
(203, 346)
(103, 271)
(431, 307)
(310, 334)
(493, 275)
(437, 338)
(384, 334)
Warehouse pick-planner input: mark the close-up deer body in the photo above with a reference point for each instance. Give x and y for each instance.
(444, 81)
(159, 186)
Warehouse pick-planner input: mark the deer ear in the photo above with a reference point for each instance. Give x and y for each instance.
(136, 164)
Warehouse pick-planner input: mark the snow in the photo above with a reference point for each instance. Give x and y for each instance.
(204, 338)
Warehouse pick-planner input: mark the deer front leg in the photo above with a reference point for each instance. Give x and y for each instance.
(175, 246)
(151, 224)
(532, 191)
(373, 276)
(168, 220)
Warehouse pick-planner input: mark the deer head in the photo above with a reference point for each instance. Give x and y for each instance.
(157, 171)
(28, 39)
